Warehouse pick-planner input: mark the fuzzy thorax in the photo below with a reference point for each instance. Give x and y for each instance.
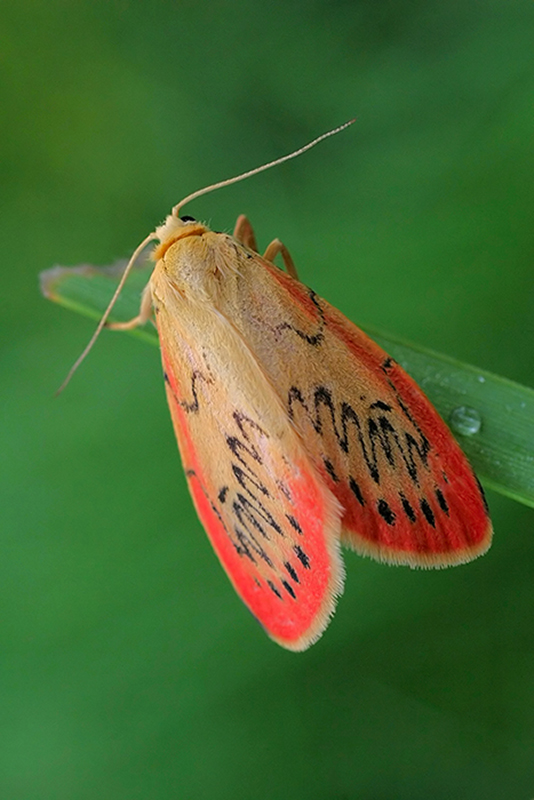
(173, 229)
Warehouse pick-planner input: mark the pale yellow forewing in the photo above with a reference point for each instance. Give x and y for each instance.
(270, 517)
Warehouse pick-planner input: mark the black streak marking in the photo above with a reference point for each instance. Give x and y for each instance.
(246, 544)
(381, 405)
(385, 511)
(244, 478)
(408, 509)
(166, 377)
(442, 502)
(302, 557)
(285, 491)
(356, 491)
(192, 407)
(236, 445)
(289, 589)
(316, 338)
(273, 588)
(371, 434)
(222, 494)
(293, 522)
(486, 507)
(292, 572)
(427, 511)
(330, 469)
(246, 511)
(349, 415)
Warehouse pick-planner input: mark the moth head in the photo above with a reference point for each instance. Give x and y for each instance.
(173, 229)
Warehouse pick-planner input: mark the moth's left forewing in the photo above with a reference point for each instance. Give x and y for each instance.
(267, 511)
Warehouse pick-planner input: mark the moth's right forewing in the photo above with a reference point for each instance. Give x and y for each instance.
(408, 493)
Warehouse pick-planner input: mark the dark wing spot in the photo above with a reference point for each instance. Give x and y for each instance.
(330, 469)
(482, 495)
(292, 572)
(166, 377)
(442, 502)
(356, 491)
(302, 557)
(273, 588)
(187, 218)
(289, 589)
(385, 511)
(294, 524)
(381, 405)
(222, 494)
(408, 509)
(427, 511)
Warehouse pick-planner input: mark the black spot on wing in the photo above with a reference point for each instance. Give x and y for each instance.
(292, 572)
(385, 511)
(442, 502)
(356, 491)
(381, 405)
(294, 523)
(222, 494)
(302, 557)
(408, 508)
(486, 507)
(330, 469)
(427, 511)
(289, 589)
(273, 589)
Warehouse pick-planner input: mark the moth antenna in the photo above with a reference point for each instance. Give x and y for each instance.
(108, 310)
(176, 213)
(250, 172)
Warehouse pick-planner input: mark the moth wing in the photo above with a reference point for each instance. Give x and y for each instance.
(408, 493)
(267, 511)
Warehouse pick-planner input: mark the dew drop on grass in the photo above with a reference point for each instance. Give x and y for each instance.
(465, 420)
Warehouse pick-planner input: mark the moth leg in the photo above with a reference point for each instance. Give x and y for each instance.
(274, 249)
(244, 233)
(145, 312)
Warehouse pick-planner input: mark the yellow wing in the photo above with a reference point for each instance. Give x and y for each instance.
(269, 516)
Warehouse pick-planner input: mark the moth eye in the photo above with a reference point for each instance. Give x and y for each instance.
(188, 219)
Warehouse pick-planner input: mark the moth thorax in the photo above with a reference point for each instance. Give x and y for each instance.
(190, 263)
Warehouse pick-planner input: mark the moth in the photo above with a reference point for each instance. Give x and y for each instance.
(297, 433)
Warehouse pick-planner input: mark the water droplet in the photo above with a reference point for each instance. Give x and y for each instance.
(481, 379)
(465, 420)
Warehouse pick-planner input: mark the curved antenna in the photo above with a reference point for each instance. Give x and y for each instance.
(176, 213)
(250, 172)
(108, 310)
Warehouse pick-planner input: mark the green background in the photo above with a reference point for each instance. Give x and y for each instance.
(128, 667)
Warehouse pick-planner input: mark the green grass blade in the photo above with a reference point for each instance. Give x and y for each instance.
(492, 417)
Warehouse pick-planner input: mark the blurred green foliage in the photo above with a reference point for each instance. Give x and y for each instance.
(129, 668)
